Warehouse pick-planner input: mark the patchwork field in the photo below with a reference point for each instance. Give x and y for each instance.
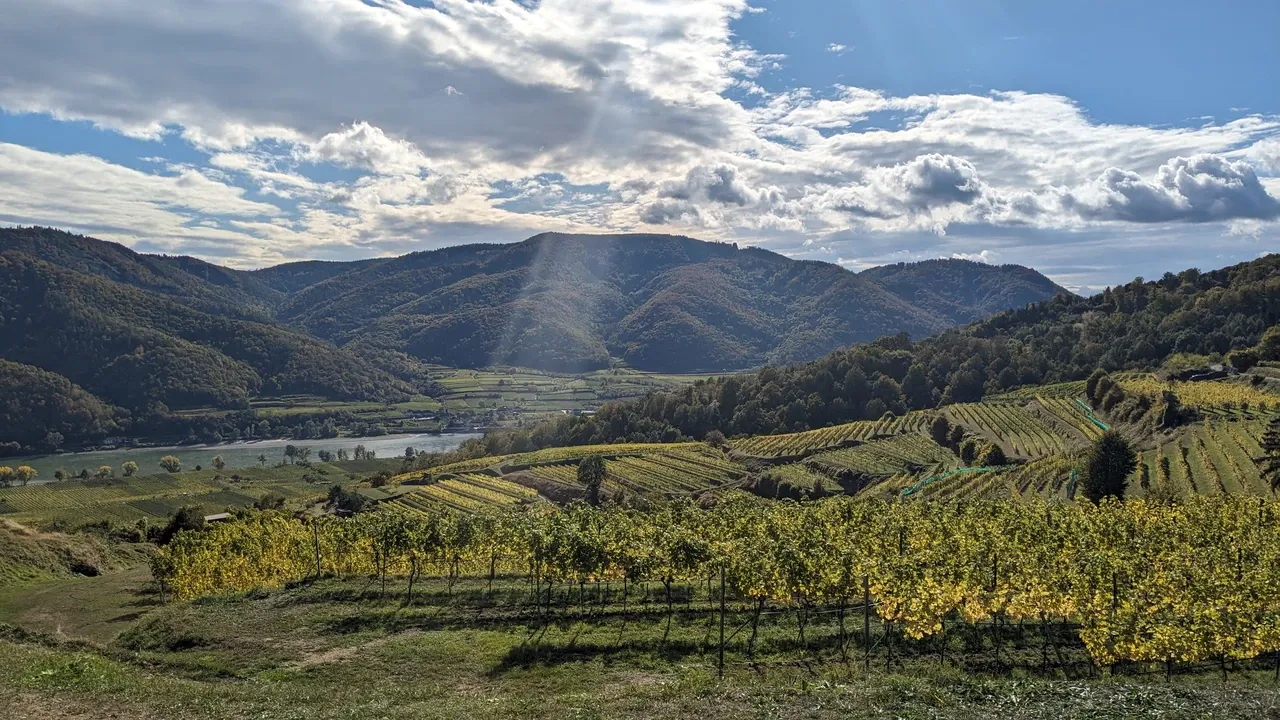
(126, 500)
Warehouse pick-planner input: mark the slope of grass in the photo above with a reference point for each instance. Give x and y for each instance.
(339, 649)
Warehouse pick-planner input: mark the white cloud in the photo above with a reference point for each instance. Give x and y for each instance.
(432, 110)
(985, 257)
(367, 147)
(1203, 188)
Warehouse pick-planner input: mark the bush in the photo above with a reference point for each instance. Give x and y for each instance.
(1243, 360)
(715, 438)
(342, 499)
(187, 517)
(270, 501)
(993, 456)
(940, 431)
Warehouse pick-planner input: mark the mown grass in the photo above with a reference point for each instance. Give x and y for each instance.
(343, 649)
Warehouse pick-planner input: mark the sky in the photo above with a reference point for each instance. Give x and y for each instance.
(1094, 141)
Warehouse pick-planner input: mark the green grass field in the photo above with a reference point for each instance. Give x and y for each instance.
(343, 649)
(536, 391)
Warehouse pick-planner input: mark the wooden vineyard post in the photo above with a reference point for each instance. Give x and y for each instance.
(844, 645)
(995, 618)
(315, 535)
(866, 622)
(722, 620)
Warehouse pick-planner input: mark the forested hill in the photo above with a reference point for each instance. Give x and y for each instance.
(657, 302)
(964, 291)
(154, 340)
(144, 335)
(1138, 325)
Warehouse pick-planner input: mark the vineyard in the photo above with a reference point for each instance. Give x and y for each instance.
(1212, 458)
(1210, 397)
(560, 454)
(1073, 389)
(124, 500)
(469, 493)
(1018, 430)
(1073, 414)
(1042, 430)
(658, 474)
(801, 443)
(902, 454)
(1134, 582)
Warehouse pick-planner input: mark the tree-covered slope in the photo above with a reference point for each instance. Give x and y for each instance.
(192, 282)
(657, 302)
(139, 349)
(964, 291)
(34, 403)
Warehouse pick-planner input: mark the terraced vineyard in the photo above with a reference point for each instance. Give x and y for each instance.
(1021, 432)
(560, 454)
(665, 474)
(801, 443)
(908, 454)
(537, 391)
(1060, 390)
(1214, 457)
(799, 476)
(1210, 397)
(1072, 414)
(123, 500)
(468, 493)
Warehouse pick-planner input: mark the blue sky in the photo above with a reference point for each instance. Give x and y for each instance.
(1094, 141)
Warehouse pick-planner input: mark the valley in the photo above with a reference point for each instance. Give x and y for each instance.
(925, 507)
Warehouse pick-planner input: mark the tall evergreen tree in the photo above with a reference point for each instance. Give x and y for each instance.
(1111, 461)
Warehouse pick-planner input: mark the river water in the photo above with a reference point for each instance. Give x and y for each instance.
(236, 455)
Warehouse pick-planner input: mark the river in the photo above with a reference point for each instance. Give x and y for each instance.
(236, 455)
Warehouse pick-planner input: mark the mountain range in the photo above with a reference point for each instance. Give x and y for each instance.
(153, 333)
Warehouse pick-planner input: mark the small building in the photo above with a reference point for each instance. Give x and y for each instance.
(217, 518)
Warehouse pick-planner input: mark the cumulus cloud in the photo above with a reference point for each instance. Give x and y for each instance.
(1202, 188)
(367, 147)
(928, 191)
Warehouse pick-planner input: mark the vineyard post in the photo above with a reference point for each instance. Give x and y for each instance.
(942, 642)
(1044, 643)
(866, 622)
(315, 535)
(844, 645)
(995, 618)
(722, 620)
(888, 645)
